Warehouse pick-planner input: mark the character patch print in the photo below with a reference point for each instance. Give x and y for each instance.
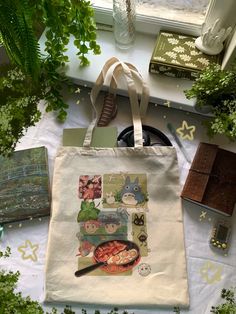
(114, 257)
(90, 187)
(125, 191)
(139, 232)
(109, 225)
(112, 232)
(88, 211)
(144, 269)
(114, 223)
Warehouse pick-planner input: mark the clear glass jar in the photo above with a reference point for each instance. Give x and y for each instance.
(124, 16)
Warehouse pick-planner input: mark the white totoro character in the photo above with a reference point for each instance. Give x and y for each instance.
(110, 198)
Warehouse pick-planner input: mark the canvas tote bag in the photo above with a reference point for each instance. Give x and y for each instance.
(116, 229)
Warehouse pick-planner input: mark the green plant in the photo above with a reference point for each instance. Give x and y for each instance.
(64, 18)
(176, 310)
(43, 74)
(217, 88)
(18, 109)
(16, 29)
(229, 306)
(21, 20)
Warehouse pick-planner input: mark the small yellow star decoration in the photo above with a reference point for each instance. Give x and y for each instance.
(185, 131)
(202, 215)
(211, 272)
(28, 251)
(167, 103)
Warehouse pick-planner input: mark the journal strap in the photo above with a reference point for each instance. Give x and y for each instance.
(111, 72)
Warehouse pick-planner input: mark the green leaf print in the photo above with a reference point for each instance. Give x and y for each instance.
(88, 211)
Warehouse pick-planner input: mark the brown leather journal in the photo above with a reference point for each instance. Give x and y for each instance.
(211, 181)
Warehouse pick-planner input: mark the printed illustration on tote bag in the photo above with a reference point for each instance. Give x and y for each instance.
(112, 223)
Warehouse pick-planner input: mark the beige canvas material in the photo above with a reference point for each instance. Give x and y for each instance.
(159, 278)
(130, 73)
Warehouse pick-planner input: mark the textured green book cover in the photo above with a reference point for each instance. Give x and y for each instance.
(24, 185)
(175, 55)
(102, 137)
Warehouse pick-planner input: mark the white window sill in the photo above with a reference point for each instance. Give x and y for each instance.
(162, 88)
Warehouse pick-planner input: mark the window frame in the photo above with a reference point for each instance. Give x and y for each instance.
(149, 25)
(224, 10)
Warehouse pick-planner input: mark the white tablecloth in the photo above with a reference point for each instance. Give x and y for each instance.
(208, 272)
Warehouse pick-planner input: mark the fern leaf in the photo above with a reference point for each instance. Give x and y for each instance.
(19, 39)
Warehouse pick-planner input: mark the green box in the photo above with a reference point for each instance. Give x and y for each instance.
(175, 55)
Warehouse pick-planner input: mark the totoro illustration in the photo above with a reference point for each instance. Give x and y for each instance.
(110, 198)
(131, 192)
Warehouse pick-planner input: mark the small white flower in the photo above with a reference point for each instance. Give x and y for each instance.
(191, 65)
(77, 102)
(160, 59)
(195, 53)
(190, 44)
(175, 62)
(173, 41)
(203, 61)
(171, 54)
(179, 49)
(78, 90)
(167, 34)
(185, 57)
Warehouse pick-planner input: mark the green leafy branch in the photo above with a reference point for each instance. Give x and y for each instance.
(213, 86)
(63, 19)
(229, 306)
(217, 88)
(43, 75)
(17, 34)
(6, 253)
(18, 108)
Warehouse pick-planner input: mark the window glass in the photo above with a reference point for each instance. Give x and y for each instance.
(188, 11)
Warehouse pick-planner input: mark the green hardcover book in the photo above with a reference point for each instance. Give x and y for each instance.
(24, 185)
(102, 137)
(175, 55)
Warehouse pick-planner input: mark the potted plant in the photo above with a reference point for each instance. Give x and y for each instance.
(215, 91)
(32, 75)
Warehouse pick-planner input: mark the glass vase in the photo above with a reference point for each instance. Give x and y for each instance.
(124, 16)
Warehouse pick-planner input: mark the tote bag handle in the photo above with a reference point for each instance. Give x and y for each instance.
(130, 73)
